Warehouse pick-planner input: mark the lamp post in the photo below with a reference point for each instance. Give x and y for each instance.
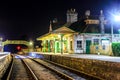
(31, 45)
(112, 31)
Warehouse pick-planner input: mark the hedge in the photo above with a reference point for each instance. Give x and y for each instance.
(116, 49)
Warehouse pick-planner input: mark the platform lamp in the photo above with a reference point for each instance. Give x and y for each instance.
(31, 44)
(115, 19)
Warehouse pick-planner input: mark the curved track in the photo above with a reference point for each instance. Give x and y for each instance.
(19, 70)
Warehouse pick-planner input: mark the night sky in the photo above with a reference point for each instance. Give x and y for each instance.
(30, 19)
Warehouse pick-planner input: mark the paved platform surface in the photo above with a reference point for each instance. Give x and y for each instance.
(3, 54)
(88, 56)
(97, 57)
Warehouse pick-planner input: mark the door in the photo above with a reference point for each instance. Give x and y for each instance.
(88, 42)
(56, 47)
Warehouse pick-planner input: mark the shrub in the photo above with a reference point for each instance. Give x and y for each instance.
(116, 49)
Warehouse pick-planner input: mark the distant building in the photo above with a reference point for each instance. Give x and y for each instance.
(90, 34)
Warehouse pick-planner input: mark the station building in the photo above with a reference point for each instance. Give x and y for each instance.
(90, 34)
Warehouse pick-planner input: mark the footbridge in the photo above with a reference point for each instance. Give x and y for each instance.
(29, 44)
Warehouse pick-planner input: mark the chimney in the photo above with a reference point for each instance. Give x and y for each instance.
(72, 16)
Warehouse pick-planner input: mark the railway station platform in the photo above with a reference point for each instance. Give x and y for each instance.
(88, 56)
(101, 66)
(5, 59)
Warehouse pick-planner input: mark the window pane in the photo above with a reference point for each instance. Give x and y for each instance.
(79, 44)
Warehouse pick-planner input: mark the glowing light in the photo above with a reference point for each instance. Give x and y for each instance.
(31, 43)
(59, 35)
(18, 47)
(117, 17)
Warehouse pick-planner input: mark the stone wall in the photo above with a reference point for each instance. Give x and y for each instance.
(102, 69)
(4, 63)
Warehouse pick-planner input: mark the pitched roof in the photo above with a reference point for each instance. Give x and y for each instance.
(81, 27)
(63, 29)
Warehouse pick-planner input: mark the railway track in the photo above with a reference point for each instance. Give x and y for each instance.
(84, 75)
(45, 73)
(74, 74)
(19, 70)
(64, 72)
(24, 68)
(27, 69)
(55, 71)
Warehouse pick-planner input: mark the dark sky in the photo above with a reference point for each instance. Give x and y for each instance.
(30, 19)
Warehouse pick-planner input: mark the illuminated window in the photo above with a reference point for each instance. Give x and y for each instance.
(79, 44)
(96, 41)
(105, 42)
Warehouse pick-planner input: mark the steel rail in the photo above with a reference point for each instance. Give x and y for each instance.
(60, 74)
(85, 75)
(11, 68)
(33, 74)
